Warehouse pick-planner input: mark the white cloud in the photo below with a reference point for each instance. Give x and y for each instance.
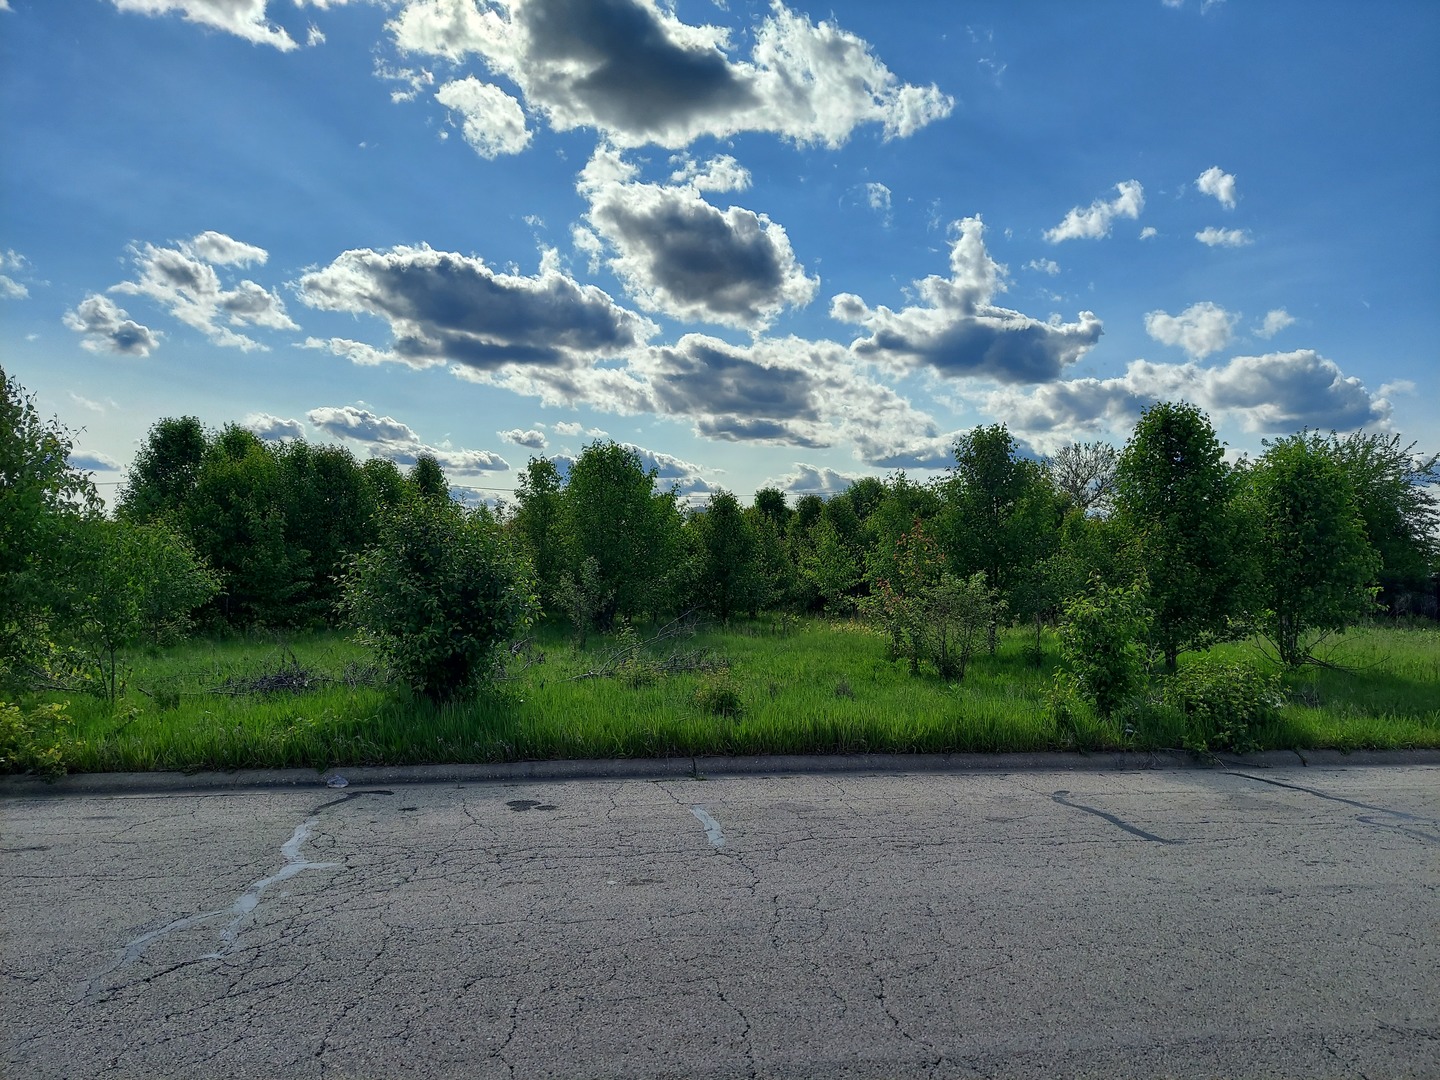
(632, 70)
(957, 330)
(183, 280)
(109, 328)
(1275, 321)
(1045, 266)
(812, 480)
(92, 461)
(1094, 221)
(494, 123)
(1149, 232)
(1200, 329)
(1213, 237)
(444, 307)
(680, 255)
(243, 18)
(314, 36)
(273, 428)
(534, 440)
(572, 428)
(386, 437)
(878, 197)
(1274, 393)
(11, 289)
(721, 173)
(1219, 184)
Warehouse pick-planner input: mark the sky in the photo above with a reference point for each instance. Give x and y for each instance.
(763, 244)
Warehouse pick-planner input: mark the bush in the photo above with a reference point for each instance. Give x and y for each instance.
(1224, 703)
(32, 742)
(1103, 641)
(719, 695)
(439, 596)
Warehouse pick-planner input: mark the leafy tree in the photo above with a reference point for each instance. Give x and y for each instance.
(42, 499)
(1085, 474)
(1173, 498)
(163, 475)
(429, 478)
(439, 596)
(1315, 562)
(728, 573)
(387, 486)
(1393, 494)
(1001, 515)
(329, 507)
(539, 524)
(770, 504)
(829, 567)
(132, 583)
(612, 514)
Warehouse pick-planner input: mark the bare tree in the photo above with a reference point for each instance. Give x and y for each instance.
(1086, 473)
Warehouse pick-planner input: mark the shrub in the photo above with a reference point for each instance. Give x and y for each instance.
(439, 596)
(1103, 641)
(32, 742)
(718, 694)
(1224, 703)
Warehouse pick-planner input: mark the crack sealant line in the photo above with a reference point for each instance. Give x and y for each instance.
(713, 832)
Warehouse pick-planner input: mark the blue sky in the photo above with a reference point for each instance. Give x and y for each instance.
(765, 244)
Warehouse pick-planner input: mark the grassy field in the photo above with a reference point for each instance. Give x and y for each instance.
(802, 687)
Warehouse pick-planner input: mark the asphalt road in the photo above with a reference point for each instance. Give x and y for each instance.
(1244, 923)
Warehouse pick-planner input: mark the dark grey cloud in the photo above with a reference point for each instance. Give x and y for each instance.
(680, 255)
(109, 328)
(531, 438)
(443, 307)
(386, 437)
(958, 332)
(92, 461)
(634, 71)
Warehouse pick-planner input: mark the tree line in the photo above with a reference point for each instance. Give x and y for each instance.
(235, 532)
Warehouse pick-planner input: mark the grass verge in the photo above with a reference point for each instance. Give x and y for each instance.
(786, 688)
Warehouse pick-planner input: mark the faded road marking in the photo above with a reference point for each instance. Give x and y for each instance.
(712, 827)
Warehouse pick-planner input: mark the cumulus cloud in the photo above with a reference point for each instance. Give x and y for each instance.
(1213, 237)
(384, 436)
(812, 480)
(1201, 329)
(1219, 184)
(531, 438)
(92, 461)
(1273, 393)
(572, 428)
(1275, 321)
(108, 328)
(958, 331)
(1094, 221)
(634, 71)
(493, 122)
(680, 255)
(273, 428)
(720, 173)
(243, 18)
(1149, 232)
(183, 280)
(10, 289)
(444, 307)
(1045, 266)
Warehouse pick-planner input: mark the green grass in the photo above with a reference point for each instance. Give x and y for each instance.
(810, 687)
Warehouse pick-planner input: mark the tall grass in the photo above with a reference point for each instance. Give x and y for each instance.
(811, 687)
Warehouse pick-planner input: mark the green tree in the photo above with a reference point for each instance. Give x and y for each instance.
(132, 583)
(1173, 495)
(539, 524)
(439, 596)
(429, 478)
(42, 499)
(1085, 474)
(829, 567)
(329, 507)
(1103, 643)
(1395, 497)
(163, 475)
(613, 514)
(728, 577)
(1001, 515)
(1315, 562)
(770, 504)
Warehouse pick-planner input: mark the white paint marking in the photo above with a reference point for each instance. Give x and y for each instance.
(712, 827)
